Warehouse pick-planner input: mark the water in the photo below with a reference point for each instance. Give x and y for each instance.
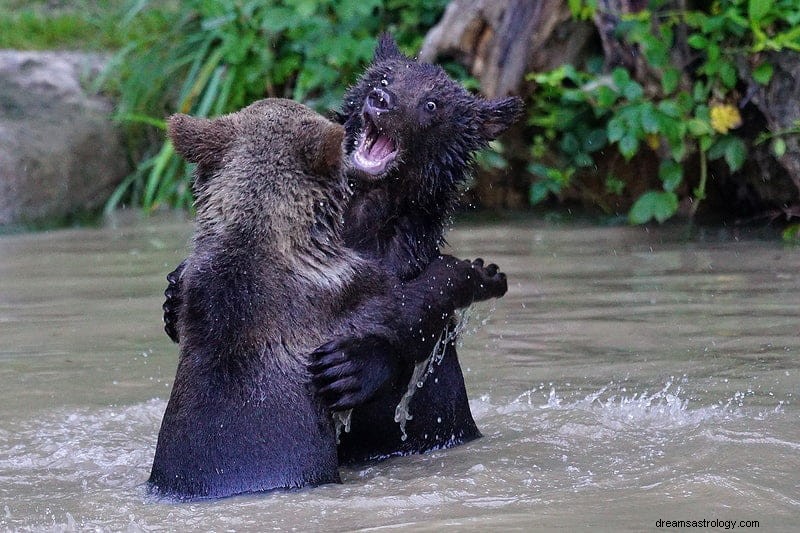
(628, 376)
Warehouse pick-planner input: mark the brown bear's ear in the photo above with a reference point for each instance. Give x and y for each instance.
(200, 140)
(387, 49)
(324, 149)
(499, 115)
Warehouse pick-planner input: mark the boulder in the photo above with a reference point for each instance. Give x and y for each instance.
(59, 151)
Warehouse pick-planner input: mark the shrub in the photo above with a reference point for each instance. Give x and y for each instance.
(692, 110)
(217, 56)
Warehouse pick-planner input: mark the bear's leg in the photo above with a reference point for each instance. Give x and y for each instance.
(440, 418)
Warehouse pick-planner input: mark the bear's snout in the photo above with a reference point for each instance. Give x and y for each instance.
(380, 101)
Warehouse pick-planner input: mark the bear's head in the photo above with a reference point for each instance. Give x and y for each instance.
(412, 117)
(272, 172)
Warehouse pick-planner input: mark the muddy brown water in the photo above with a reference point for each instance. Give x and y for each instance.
(629, 376)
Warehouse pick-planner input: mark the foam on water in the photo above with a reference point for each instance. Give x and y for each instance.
(103, 454)
(99, 440)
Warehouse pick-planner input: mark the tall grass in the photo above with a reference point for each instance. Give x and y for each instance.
(217, 56)
(72, 25)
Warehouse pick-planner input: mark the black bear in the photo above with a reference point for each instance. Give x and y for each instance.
(269, 280)
(411, 135)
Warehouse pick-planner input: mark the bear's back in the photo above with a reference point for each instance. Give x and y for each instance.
(267, 282)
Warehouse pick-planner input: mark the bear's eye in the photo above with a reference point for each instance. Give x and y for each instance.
(430, 106)
(385, 82)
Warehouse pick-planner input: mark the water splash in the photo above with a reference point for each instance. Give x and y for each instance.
(341, 420)
(453, 333)
(613, 407)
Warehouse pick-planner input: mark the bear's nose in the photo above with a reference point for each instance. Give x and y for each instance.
(380, 100)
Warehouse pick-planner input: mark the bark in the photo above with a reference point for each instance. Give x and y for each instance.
(500, 42)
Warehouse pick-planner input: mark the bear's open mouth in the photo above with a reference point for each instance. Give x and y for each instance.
(375, 150)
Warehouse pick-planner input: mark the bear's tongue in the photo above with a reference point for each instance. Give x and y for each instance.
(374, 153)
(382, 147)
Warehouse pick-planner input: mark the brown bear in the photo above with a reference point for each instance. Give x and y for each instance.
(269, 280)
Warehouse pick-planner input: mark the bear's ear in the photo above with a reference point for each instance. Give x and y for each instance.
(200, 140)
(499, 115)
(323, 142)
(387, 49)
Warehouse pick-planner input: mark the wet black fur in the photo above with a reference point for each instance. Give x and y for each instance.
(400, 220)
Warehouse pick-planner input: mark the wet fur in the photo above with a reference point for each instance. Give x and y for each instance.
(241, 416)
(268, 281)
(398, 221)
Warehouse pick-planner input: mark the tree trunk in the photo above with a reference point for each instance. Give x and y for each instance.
(500, 42)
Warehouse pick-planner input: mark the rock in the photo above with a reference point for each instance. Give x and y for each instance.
(59, 151)
(777, 101)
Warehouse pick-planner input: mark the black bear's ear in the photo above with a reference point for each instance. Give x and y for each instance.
(499, 115)
(200, 140)
(387, 49)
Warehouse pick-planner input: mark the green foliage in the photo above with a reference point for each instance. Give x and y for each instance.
(218, 56)
(578, 114)
(658, 205)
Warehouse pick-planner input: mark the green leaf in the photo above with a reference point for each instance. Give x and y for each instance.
(697, 41)
(791, 234)
(669, 108)
(628, 146)
(540, 190)
(632, 91)
(650, 119)
(606, 97)
(757, 9)
(570, 144)
(717, 150)
(763, 73)
(677, 150)
(670, 80)
(656, 50)
(735, 153)
(700, 92)
(615, 130)
(658, 205)
(714, 52)
(699, 127)
(583, 160)
(727, 73)
(671, 174)
(778, 147)
(621, 77)
(595, 140)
